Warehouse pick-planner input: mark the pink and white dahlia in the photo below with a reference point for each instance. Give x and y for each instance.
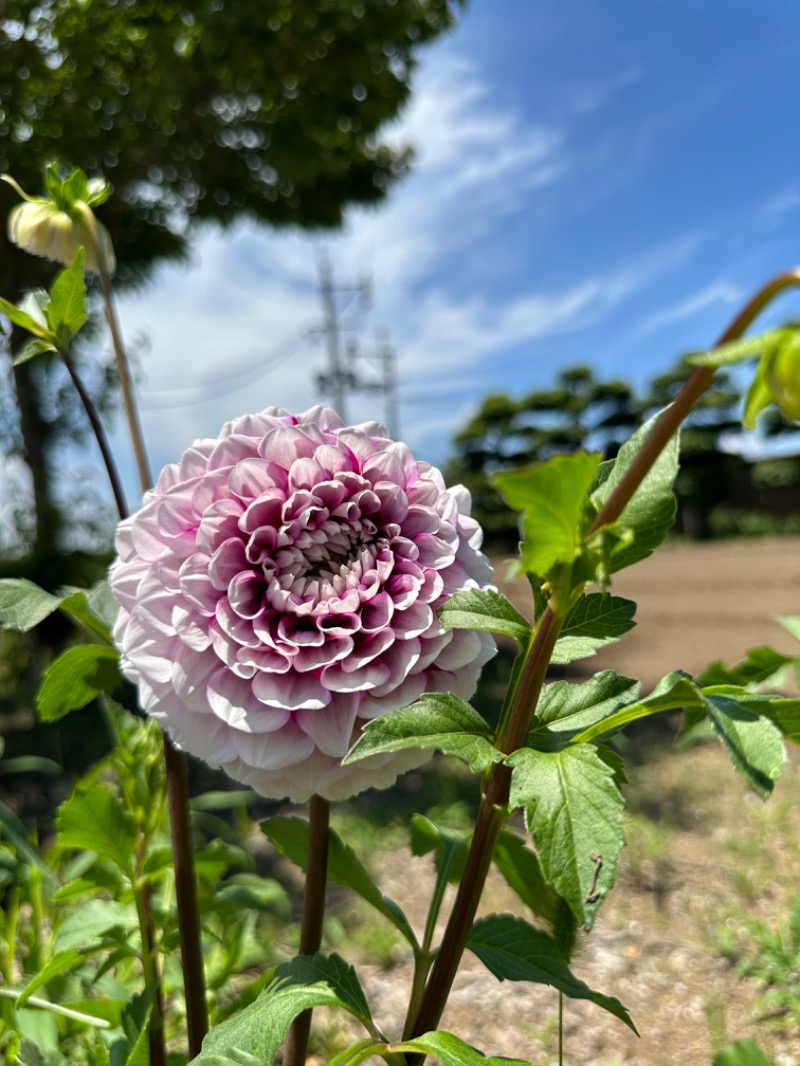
(279, 587)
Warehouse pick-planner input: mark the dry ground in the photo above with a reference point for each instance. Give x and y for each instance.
(703, 853)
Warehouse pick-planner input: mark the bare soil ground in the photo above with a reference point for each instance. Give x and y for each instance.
(704, 855)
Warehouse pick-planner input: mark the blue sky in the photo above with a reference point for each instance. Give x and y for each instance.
(595, 182)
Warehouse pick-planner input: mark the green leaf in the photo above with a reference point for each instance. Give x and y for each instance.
(85, 605)
(14, 829)
(790, 624)
(758, 397)
(437, 720)
(449, 845)
(523, 873)
(513, 950)
(752, 741)
(650, 513)
(251, 892)
(565, 709)
(22, 318)
(67, 311)
(75, 678)
(450, 1050)
(24, 605)
(785, 714)
(92, 920)
(739, 350)
(139, 1054)
(595, 620)
(758, 665)
(61, 961)
(94, 819)
(485, 609)
(742, 1053)
(553, 497)
(303, 983)
(31, 350)
(573, 810)
(290, 837)
(675, 691)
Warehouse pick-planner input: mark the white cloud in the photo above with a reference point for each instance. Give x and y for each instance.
(718, 292)
(786, 201)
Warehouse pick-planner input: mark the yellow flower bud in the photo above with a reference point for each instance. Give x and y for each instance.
(39, 227)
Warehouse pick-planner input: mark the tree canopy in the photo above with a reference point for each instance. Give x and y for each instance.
(195, 110)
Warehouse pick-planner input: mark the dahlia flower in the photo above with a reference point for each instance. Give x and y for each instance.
(279, 587)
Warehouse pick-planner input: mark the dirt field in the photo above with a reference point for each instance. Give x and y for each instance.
(704, 855)
(698, 603)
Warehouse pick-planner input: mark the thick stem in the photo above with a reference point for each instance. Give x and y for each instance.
(186, 893)
(313, 915)
(176, 767)
(99, 433)
(492, 812)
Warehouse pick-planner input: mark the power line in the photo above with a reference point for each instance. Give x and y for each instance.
(260, 371)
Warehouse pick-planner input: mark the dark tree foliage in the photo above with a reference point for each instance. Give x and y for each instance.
(579, 412)
(198, 110)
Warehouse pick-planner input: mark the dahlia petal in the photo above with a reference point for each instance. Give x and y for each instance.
(270, 751)
(284, 444)
(227, 562)
(291, 691)
(330, 730)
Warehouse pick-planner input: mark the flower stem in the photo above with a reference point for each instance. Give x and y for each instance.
(493, 809)
(99, 433)
(319, 811)
(176, 767)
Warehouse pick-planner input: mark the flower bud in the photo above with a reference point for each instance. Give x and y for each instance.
(39, 227)
(782, 373)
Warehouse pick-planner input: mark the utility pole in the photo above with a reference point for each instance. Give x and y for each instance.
(337, 379)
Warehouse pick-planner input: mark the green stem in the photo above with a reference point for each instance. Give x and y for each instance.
(493, 809)
(55, 1008)
(176, 766)
(141, 895)
(319, 812)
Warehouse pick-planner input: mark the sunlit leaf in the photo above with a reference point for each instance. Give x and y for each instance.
(438, 720)
(484, 609)
(75, 678)
(573, 810)
(513, 950)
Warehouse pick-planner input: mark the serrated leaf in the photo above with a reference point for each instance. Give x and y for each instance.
(565, 709)
(95, 820)
(650, 513)
(523, 874)
(303, 983)
(31, 350)
(785, 714)
(23, 318)
(595, 620)
(437, 720)
(553, 497)
(94, 918)
(573, 810)
(67, 311)
(513, 950)
(450, 1050)
(24, 605)
(84, 606)
(484, 609)
(75, 678)
(290, 837)
(675, 691)
(758, 665)
(753, 742)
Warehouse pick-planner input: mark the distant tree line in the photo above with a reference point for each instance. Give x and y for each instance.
(718, 490)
